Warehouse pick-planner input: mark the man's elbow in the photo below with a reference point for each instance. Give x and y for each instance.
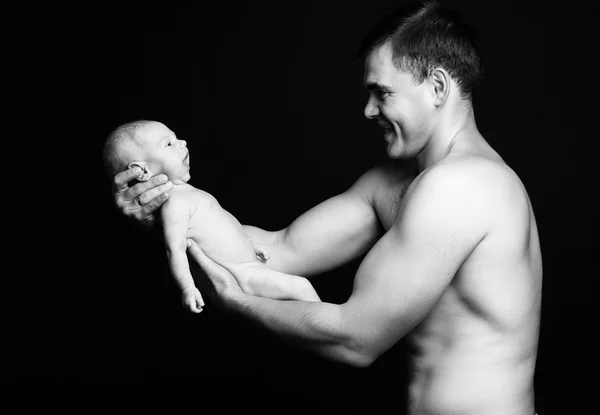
(360, 360)
(356, 353)
(365, 356)
(348, 345)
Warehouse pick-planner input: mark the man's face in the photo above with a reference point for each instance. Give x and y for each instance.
(398, 104)
(163, 152)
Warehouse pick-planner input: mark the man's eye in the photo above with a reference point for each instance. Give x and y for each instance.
(382, 94)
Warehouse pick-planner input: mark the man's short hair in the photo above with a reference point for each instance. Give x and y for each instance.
(425, 36)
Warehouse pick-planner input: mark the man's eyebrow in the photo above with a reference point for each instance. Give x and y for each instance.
(374, 86)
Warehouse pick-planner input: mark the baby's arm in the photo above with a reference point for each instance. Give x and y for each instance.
(175, 217)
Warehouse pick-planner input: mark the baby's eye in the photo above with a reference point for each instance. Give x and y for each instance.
(169, 143)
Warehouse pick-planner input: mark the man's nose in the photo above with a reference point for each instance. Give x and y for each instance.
(371, 110)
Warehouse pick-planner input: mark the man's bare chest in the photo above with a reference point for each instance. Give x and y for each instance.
(388, 201)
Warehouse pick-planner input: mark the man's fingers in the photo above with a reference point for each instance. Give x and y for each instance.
(150, 189)
(121, 179)
(197, 253)
(205, 263)
(153, 204)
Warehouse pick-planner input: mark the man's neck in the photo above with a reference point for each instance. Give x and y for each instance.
(450, 128)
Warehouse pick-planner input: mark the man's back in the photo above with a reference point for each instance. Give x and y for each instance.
(475, 351)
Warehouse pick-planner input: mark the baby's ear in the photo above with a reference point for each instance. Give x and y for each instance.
(145, 174)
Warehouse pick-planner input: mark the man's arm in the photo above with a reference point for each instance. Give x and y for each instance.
(327, 236)
(398, 283)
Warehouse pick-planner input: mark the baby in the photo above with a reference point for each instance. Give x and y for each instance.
(195, 214)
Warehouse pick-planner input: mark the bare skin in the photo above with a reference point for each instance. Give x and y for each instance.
(152, 194)
(472, 333)
(457, 270)
(195, 214)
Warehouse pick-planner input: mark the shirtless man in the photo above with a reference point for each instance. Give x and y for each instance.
(457, 269)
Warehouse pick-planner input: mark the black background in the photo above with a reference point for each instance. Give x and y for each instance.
(270, 101)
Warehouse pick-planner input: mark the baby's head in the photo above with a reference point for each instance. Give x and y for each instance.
(151, 146)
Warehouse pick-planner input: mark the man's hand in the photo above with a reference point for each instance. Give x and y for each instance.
(139, 202)
(220, 286)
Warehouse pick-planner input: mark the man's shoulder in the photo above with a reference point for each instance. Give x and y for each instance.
(469, 173)
(477, 186)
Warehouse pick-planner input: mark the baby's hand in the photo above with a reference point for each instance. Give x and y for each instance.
(192, 300)
(261, 252)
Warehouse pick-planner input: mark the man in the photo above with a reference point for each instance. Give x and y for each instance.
(457, 269)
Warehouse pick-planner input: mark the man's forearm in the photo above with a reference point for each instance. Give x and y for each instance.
(314, 326)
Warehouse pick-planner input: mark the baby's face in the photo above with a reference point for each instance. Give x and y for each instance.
(164, 153)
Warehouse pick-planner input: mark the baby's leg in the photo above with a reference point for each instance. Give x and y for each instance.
(260, 280)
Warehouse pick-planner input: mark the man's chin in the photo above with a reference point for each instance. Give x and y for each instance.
(390, 148)
(395, 153)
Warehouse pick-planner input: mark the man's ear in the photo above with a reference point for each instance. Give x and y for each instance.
(145, 175)
(440, 80)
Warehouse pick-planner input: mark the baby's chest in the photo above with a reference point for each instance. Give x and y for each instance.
(204, 213)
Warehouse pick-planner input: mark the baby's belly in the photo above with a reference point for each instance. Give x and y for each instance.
(226, 247)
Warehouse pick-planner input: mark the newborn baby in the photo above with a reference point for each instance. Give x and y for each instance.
(195, 214)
